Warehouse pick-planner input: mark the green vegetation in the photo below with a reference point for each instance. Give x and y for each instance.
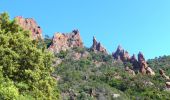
(25, 69)
(99, 76)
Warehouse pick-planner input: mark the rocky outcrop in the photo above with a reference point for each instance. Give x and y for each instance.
(142, 63)
(168, 84)
(130, 71)
(134, 62)
(149, 71)
(138, 65)
(162, 73)
(144, 69)
(65, 41)
(30, 25)
(97, 47)
(77, 56)
(167, 88)
(121, 54)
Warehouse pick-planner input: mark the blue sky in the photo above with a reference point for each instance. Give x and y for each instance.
(137, 25)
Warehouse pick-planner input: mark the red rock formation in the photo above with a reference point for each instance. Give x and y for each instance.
(144, 69)
(121, 54)
(97, 46)
(134, 62)
(30, 25)
(64, 42)
(142, 63)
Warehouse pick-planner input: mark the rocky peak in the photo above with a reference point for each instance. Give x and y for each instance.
(133, 58)
(121, 54)
(144, 69)
(119, 48)
(65, 41)
(97, 46)
(134, 62)
(30, 25)
(142, 63)
(141, 57)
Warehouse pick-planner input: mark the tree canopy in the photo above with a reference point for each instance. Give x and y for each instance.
(25, 70)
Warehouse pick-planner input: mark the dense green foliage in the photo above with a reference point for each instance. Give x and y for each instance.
(99, 76)
(25, 69)
(80, 78)
(161, 62)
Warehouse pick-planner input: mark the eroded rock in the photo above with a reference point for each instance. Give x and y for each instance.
(162, 73)
(121, 54)
(97, 47)
(30, 25)
(65, 41)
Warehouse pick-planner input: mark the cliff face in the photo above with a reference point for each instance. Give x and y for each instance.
(30, 25)
(97, 47)
(64, 41)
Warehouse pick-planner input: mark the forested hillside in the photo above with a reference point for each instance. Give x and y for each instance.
(62, 68)
(99, 77)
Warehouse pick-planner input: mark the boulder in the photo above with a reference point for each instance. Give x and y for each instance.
(168, 84)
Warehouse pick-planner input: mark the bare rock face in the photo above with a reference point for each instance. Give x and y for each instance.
(134, 62)
(162, 73)
(144, 69)
(30, 25)
(121, 54)
(167, 88)
(77, 56)
(97, 47)
(149, 71)
(66, 41)
(142, 63)
(168, 84)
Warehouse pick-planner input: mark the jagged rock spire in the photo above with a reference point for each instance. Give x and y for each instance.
(134, 62)
(97, 47)
(144, 68)
(121, 54)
